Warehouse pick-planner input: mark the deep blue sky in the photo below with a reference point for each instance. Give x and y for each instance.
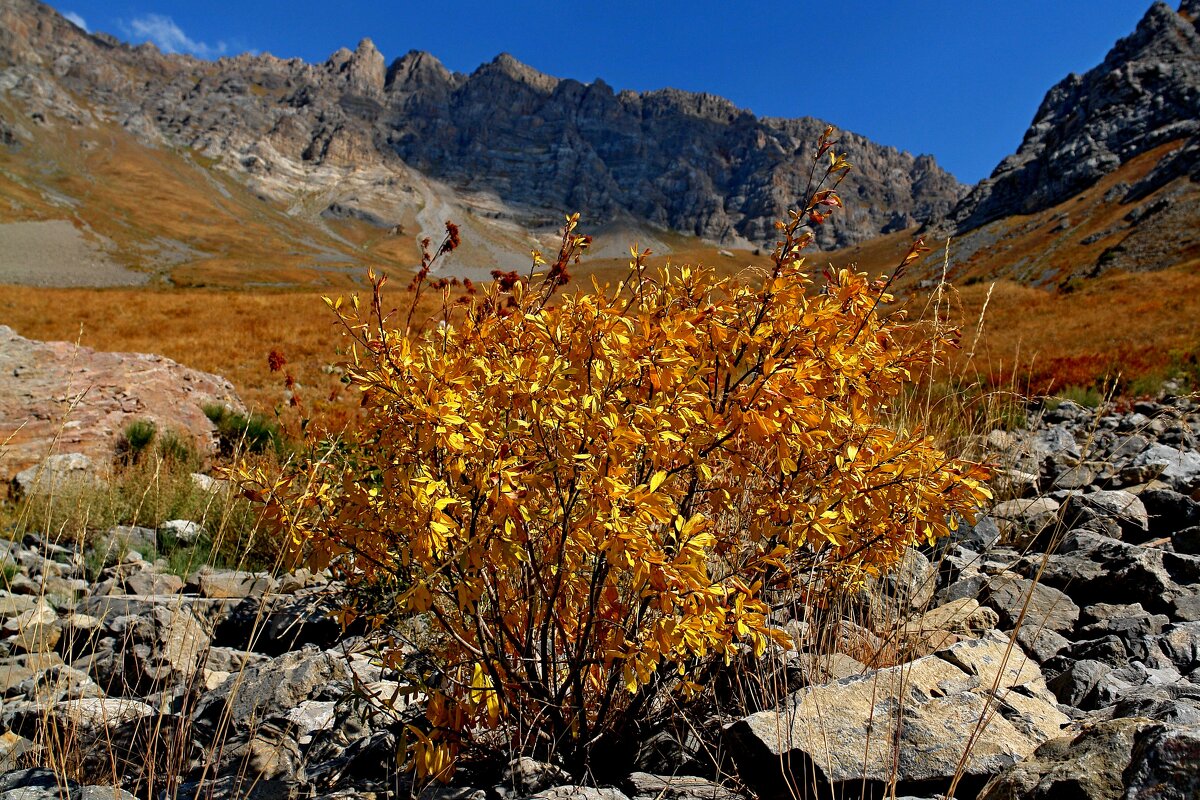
(960, 79)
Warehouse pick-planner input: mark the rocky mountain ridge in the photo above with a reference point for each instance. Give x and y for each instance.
(1107, 176)
(410, 142)
(1144, 94)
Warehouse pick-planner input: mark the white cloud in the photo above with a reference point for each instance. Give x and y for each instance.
(169, 37)
(78, 20)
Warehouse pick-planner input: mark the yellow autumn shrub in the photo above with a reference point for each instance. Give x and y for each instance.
(585, 498)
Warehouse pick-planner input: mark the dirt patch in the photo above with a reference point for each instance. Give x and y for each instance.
(55, 253)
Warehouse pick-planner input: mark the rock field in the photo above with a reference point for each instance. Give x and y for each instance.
(228, 684)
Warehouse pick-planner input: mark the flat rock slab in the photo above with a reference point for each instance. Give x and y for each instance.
(16, 669)
(108, 711)
(212, 611)
(274, 687)
(643, 786)
(44, 784)
(1179, 468)
(229, 584)
(55, 395)
(913, 721)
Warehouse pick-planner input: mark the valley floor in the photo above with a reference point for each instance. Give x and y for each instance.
(1142, 327)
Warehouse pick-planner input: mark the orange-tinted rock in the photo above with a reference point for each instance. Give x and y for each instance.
(56, 397)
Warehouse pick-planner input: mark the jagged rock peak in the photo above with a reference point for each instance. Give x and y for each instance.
(367, 50)
(25, 25)
(699, 104)
(363, 69)
(416, 70)
(1144, 94)
(517, 70)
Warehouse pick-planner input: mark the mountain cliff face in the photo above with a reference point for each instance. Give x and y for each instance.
(411, 142)
(692, 163)
(1145, 94)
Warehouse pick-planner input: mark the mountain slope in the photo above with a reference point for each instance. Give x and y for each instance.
(353, 148)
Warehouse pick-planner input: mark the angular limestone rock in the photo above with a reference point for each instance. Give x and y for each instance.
(913, 721)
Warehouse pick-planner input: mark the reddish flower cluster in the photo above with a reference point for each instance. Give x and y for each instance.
(505, 281)
(452, 240)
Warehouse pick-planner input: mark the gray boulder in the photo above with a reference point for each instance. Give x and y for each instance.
(208, 484)
(13, 605)
(1181, 645)
(579, 793)
(1165, 763)
(980, 537)
(273, 688)
(1089, 764)
(1185, 607)
(1169, 511)
(1124, 507)
(121, 537)
(912, 583)
(183, 531)
(1041, 644)
(1099, 569)
(149, 652)
(1021, 519)
(91, 712)
(1177, 702)
(1055, 443)
(57, 473)
(1179, 468)
(280, 623)
(1076, 686)
(152, 582)
(1135, 627)
(644, 786)
(526, 775)
(1043, 606)
(36, 784)
(233, 583)
(16, 669)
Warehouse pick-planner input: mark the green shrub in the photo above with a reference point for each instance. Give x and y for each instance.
(134, 440)
(237, 432)
(184, 561)
(147, 494)
(138, 437)
(1185, 368)
(1086, 396)
(179, 450)
(1148, 385)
